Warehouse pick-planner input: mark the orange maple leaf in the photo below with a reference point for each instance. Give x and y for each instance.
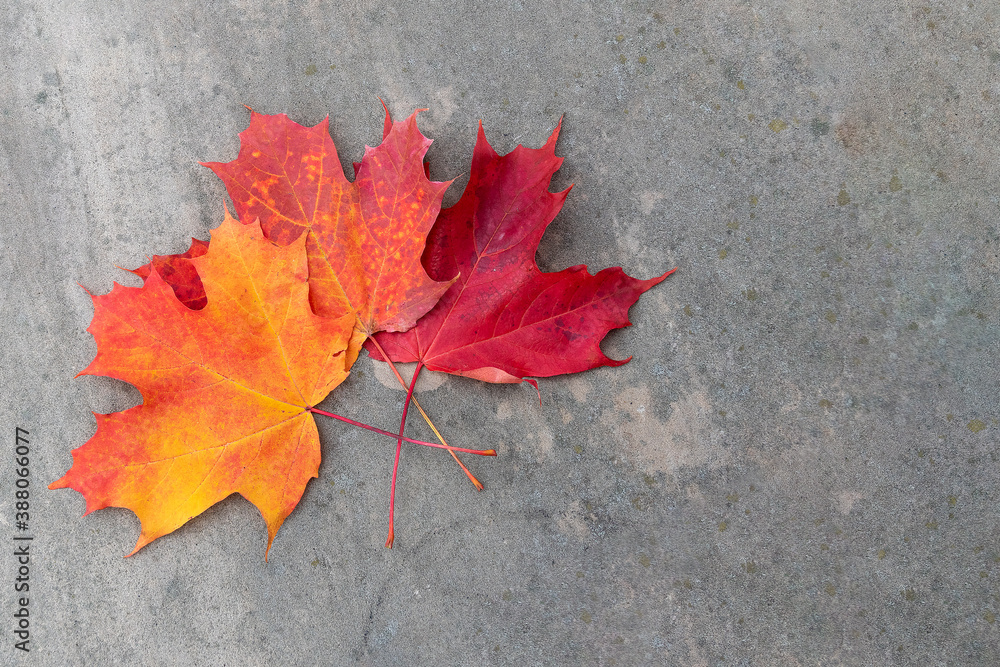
(227, 390)
(365, 239)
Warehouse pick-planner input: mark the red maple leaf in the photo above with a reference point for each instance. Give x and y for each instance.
(504, 319)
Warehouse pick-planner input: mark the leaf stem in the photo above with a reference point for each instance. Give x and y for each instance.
(437, 433)
(399, 448)
(451, 450)
(481, 452)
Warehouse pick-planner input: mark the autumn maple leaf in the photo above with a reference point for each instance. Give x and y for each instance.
(504, 319)
(364, 238)
(227, 390)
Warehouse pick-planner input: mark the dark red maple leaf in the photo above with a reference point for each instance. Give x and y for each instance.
(504, 319)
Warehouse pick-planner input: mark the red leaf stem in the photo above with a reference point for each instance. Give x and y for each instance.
(374, 429)
(399, 448)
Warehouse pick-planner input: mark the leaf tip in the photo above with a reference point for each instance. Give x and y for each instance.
(144, 539)
(533, 383)
(387, 123)
(619, 362)
(555, 133)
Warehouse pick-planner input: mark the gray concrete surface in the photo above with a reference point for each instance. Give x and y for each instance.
(800, 464)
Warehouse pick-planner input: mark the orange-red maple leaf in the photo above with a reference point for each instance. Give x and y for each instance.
(364, 238)
(226, 389)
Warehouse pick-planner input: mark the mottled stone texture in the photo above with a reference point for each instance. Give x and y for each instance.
(799, 465)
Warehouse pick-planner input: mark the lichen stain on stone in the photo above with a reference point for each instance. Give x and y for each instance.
(895, 184)
(976, 425)
(843, 198)
(819, 127)
(310, 69)
(853, 136)
(683, 439)
(778, 125)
